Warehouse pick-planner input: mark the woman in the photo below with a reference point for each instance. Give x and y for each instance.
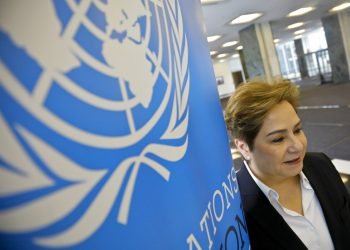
(291, 199)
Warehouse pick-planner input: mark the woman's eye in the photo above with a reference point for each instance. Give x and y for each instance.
(277, 140)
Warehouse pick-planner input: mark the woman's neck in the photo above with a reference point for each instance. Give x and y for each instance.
(290, 195)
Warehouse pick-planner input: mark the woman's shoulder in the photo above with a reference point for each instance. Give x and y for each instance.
(311, 157)
(319, 166)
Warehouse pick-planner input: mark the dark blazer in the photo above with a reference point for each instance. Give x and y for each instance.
(267, 228)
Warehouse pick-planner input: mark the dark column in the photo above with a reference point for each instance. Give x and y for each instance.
(244, 66)
(251, 51)
(336, 50)
(299, 49)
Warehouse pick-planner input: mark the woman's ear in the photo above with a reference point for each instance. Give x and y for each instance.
(243, 148)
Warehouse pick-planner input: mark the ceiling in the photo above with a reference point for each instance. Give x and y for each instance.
(217, 17)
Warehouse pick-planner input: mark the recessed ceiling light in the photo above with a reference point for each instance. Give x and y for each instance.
(276, 40)
(222, 55)
(298, 32)
(222, 60)
(235, 55)
(295, 25)
(228, 44)
(246, 18)
(239, 47)
(213, 38)
(301, 11)
(213, 52)
(298, 37)
(210, 1)
(340, 7)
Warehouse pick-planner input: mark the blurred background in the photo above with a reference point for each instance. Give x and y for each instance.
(306, 41)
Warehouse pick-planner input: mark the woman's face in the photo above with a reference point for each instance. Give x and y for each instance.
(280, 145)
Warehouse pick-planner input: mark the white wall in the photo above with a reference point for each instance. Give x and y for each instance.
(225, 69)
(235, 65)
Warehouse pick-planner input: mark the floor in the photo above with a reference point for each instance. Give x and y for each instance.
(325, 112)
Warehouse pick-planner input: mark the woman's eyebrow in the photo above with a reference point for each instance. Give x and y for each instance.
(278, 131)
(297, 124)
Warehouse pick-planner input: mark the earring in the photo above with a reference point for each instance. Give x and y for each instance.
(247, 158)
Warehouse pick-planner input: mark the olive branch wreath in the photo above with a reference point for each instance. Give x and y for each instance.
(22, 219)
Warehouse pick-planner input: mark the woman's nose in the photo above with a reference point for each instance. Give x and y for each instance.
(296, 144)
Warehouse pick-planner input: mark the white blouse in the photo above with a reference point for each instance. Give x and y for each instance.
(311, 228)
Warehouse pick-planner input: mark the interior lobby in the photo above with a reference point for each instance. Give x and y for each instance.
(307, 42)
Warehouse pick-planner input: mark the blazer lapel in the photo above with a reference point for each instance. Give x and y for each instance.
(317, 181)
(259, 209)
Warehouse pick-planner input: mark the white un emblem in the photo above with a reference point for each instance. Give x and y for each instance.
(91, 92)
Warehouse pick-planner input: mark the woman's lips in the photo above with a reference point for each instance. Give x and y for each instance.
(295, 160)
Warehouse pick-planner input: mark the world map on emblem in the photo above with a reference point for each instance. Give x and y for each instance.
(88, 97)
